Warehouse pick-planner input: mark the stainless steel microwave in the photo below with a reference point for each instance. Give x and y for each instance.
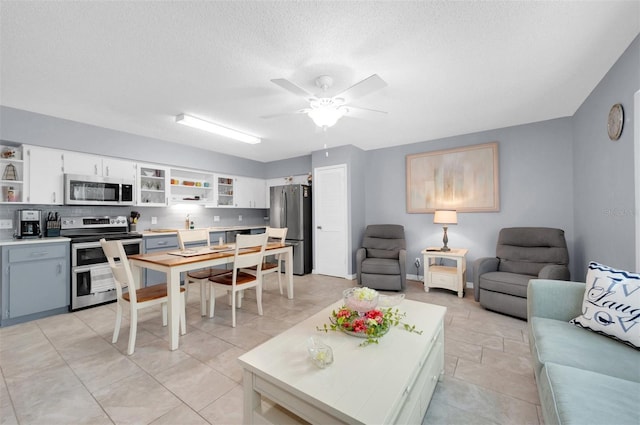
(97, 190)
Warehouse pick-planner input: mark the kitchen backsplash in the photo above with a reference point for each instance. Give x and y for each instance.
(167, 218)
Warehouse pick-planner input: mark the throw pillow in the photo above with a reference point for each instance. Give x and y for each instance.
(611, 303)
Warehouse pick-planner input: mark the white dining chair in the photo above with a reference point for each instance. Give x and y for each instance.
(136, 298)
(198, 237)
(272, 263)
(248, 252)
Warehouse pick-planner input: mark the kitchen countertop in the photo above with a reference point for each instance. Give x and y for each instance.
(27, 241)
(160, 231)
(145, 233)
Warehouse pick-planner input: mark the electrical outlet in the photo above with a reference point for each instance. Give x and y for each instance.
(240, 218)
(6, 224)
(417, 263)
(154, 220)
(216, 218)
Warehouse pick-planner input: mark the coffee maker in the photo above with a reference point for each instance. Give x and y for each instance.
(28, 224)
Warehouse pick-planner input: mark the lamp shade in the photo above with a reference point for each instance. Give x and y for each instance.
(445, 217)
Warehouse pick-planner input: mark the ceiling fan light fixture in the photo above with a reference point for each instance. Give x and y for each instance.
(216, 129)
(326, 115)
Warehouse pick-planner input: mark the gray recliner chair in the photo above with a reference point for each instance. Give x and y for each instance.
(381, 262)
(522, 253)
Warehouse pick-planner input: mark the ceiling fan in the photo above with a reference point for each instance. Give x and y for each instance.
(325, 111)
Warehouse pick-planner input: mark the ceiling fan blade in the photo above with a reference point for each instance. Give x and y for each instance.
(358, 108)
(289, 86)
(363, 88)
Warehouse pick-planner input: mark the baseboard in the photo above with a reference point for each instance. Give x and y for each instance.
(348, 277)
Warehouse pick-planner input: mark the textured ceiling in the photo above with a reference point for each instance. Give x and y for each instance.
(451, 67)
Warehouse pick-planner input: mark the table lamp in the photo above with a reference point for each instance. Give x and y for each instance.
(445, 217)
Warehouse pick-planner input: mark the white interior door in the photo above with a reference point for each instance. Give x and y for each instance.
(331, 225)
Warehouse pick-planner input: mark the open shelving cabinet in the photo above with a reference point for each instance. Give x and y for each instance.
(189, 186)
(12, 172)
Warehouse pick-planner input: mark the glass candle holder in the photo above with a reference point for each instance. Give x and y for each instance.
(320, 353)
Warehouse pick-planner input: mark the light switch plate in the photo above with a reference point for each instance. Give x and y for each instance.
(216, 218)
(154, 220)
(6, 224)
(239, 218)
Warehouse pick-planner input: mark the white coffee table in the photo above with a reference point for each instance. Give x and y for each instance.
(391, 382)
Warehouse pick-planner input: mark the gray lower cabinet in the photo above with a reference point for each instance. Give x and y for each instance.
(35, 281)
(157, 244)
(167, 243)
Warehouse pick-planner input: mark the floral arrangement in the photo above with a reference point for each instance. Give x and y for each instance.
(371, 325)
(360, 299)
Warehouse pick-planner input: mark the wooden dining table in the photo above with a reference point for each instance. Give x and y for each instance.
(172, 264)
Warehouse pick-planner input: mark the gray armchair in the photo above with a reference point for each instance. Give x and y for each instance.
(381, 262)
(522, 253)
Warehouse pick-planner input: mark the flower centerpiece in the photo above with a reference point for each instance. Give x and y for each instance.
(359, 317)
(360, 299)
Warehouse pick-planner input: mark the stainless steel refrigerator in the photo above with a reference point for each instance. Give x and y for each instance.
(291, 208)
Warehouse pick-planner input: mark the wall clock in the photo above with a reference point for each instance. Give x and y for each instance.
(616, 121)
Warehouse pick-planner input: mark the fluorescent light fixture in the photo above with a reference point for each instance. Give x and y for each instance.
(216, 129)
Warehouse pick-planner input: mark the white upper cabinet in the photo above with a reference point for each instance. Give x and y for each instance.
(40, 180)
(250, 193)
(94, 165)
(225, 191)
(44, 171)
(118, 168)
(152, 185)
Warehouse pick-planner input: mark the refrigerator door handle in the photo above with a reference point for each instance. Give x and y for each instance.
(284, 210)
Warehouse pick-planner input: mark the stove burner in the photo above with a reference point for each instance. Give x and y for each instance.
(92, 229)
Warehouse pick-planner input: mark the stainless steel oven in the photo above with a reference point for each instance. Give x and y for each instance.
(88, 264)
(91, 279)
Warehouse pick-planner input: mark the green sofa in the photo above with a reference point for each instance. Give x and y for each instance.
(582, 377)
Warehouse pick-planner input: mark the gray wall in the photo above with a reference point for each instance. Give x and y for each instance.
(24, 127)
(561, 173)
(535, 189)
(41, 130)
(288, 167)
(604, 183)
(355, 159)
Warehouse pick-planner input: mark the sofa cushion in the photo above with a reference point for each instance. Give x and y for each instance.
(574, 396)
(506, 283)
(611, 303)
(380, 266)
(561, 342)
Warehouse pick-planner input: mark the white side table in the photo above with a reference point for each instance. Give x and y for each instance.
(452, 278)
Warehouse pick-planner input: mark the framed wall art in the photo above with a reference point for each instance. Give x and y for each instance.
(464, 179)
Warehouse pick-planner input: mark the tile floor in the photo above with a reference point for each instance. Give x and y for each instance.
(64, 369)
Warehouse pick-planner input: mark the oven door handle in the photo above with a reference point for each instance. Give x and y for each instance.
(81, 269)
(84, 245)
(130, 241)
